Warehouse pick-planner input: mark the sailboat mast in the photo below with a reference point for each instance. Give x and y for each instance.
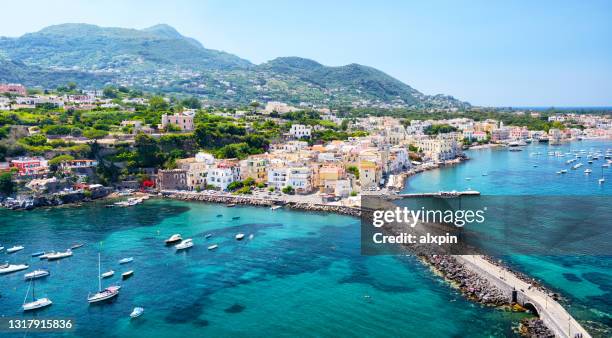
(99, 277)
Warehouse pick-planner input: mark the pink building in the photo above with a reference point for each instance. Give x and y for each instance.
(13, 88)
(183, 120)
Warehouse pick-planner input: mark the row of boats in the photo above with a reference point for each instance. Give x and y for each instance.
(132, 201)
(180, 244)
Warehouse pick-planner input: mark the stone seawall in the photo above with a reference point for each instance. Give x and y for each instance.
(246, 200)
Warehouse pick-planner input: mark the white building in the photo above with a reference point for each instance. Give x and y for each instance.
(223, 174)
(300, 131)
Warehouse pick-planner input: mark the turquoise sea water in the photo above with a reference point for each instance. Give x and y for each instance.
(301, 275)
(585, 280)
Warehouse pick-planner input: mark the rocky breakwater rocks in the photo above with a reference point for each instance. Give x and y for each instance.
(245, 200)
(472, 285)
(534, 328)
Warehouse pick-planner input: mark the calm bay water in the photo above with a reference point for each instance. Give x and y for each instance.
(585, 280)
(301, 275)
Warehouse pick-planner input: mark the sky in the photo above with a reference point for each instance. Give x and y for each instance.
(490, 53)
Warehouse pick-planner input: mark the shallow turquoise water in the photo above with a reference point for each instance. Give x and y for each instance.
(301, 275)
(585, 280)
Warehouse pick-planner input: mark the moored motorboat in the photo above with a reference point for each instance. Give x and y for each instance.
(38, 254)
(59, 255)
(239, 237)
(213, 247)
(185, 244)
(126, 260)
(236, 217)
(275, 207)
(107, 274)
(127, 274)
(174, 239)
(40, 273)
(76, 246)
(231, 205)
(8, 268)
(208, 236)
(588, 171)
(15, 249)
(137, 312)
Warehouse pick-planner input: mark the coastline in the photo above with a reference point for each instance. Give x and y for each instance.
(260, 202)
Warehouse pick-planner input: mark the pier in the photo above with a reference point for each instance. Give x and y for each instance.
(553, 314)
(442, 194)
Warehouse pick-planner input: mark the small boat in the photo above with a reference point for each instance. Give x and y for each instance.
(219, 215)
(46, 255)
(38, 254)
(137, 312)
(275, 207)
(127, 274)
(558, 172)
(588, 171)
(126, 260)
(14, 249)
(102, 295)
(239, 237)
(208, 236)
(174, 239)
(185, 244)
(35, 303)
(251, 236)
(59, 255)
(231, 205)
(564, 171)
(213, 247)
(40, 273)
(76, 246)
(1, 248)
(535, 165)
(602, 180)
(236, 217)
(8, 268)
(485, 174)
(107, 274)
(468, 178)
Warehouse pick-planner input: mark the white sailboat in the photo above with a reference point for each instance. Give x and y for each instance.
(40, 273)
(35, 303)
(101, 295)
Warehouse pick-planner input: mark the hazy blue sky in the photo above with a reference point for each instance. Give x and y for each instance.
(486, 52)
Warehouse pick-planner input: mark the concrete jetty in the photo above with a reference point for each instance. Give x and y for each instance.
(553, 314)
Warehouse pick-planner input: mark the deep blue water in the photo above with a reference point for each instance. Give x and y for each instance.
(586, 280)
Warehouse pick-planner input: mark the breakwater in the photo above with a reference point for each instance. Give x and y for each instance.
(268, 202)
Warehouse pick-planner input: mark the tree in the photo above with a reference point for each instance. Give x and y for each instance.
(192, 103)
(71, 85)
(110, 92)
(157, 103)
(288, 190)
(7, 186)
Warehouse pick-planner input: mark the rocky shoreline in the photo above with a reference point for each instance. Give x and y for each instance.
(245, 200)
